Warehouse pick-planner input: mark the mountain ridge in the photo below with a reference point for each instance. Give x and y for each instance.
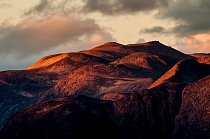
(143, 83)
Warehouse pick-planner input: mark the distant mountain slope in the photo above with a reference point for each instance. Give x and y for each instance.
(185, 71)
(156, 47)
(151, 65)
(202, 57)
(153, 47)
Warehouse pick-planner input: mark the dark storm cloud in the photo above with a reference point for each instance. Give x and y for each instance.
(154, 30)
(192, 16)
(122, 6)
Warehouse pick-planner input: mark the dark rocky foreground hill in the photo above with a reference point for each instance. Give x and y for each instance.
(131, 91)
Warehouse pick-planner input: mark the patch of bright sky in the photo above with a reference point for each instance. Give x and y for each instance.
(126, 28)
(15, 9)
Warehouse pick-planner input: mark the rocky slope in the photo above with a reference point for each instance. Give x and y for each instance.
(135, 90)
(159, 112)
(72, 117)
(151, 113)
(129, 69)
(185, 71)
(193, 118)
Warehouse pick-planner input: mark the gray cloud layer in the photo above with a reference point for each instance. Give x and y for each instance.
(43, 4)
(154, 30)
(47, 7)
(192, 16)
(103, 6)
(122, 6)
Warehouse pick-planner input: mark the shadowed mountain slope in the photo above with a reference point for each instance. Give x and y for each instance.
(147, 114)
(185, 71)
(193, 118)
(153, 47)
(150, 64)
(72, 117)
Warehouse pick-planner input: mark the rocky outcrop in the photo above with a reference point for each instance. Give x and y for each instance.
(193, 118)
(130, 113)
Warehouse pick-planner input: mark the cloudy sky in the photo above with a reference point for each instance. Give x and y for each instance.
(32, 29)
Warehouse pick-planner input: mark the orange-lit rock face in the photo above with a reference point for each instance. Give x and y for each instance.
(202, 57)
(205, 60)
(47, 61)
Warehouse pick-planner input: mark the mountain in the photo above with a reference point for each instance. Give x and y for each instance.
(202, 57)
(135, 90)
(153, 47)
(129, 68)
(165, 96)
(151, 113)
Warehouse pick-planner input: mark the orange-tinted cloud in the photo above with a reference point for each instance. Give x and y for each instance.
(199, 43)
(34, 36)
(98, 38)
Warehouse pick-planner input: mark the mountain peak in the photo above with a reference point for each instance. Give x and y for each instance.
(112, 43)
(109, 44)
(149, 44)
(155, 42)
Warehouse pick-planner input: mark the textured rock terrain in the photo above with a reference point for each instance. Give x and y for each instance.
(72, 117)
(135, 91)
(193, 119)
